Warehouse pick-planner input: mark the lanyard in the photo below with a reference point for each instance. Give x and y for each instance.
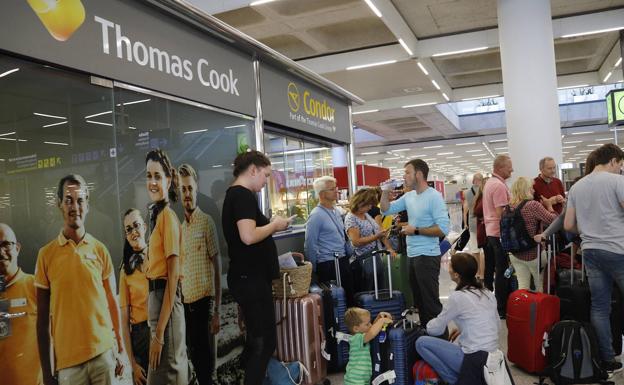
(333, 219)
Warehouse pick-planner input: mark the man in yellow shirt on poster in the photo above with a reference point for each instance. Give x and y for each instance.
(20, 361)
(74, 294)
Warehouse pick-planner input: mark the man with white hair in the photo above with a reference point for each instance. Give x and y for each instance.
(325, 237)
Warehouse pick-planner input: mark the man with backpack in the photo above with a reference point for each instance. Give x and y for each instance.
(595, 210)
(495, 197)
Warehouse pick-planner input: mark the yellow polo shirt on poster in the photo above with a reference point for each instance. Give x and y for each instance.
(199, 245)
(19, 363)
(164, 242)
(133, 291)
(81, 323)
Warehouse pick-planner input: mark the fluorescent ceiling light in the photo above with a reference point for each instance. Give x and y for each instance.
(474, 150)
(463, 161)
(370, 153)
(58, 143)
(465, 144)
(49, 116)
(617, 63)
(401, 150)
(419, 155)
(195, 131)
(419, 105)
(393, 158)
(481, 97)
(435, 84)
(360, 161)
(428, 147)
(573, 141)
(217, 165)
(54, 124)
(594, 145)
(9, 72)
(453, 157)
(429, 159)
(603, 139)
(14, 140)
(592, 32)
(498, 140)
(477, 154)
(445, 153)
(134, 102)
(576, 86)
(373, 7)
(236, 126)
(405, 47)
(583, 133)
(446, 97)
(98, 114)
(568, 147)
(500, 148)
(260, 2)
(607, 77)
(422, 68)
(380, 63)
(363, 112)
(460, 51)
(132, 128)
(100, 123)
(8, 133)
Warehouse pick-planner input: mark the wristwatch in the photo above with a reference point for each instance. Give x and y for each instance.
(416, 231)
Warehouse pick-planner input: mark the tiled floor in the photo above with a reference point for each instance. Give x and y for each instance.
(520, 377)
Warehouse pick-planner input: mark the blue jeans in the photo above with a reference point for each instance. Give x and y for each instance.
(603, 268)
(446, 358)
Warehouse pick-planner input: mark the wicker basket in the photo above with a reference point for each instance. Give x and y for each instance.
(295, 281)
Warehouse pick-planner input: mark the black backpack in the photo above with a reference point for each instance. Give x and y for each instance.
(514, 235)
(572, 354)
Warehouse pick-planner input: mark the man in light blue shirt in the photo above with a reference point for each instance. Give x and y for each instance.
(428, 220)
(325, 238)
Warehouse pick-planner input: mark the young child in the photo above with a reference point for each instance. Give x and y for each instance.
(358, 320)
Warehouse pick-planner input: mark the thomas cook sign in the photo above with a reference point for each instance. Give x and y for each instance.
(295, 103)
(131, 42)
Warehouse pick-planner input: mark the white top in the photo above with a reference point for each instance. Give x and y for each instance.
(474, 312)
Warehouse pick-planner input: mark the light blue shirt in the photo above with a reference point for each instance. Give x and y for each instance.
(423, 210)
(324, 235)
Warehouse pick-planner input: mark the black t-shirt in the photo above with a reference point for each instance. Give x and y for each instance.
(374, 211)
(258, 260)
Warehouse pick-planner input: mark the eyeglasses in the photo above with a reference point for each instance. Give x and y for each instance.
(7, 245)
(330, 189)
(135, 226)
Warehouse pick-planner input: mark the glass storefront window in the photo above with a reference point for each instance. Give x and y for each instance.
(296, 163)
(54, 122)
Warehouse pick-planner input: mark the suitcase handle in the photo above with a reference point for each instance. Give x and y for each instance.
(374, 253)
(337, 267)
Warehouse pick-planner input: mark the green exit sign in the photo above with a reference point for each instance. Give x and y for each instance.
(615, 107)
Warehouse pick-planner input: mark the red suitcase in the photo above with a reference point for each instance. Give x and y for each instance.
(300, 335)
(530, 316)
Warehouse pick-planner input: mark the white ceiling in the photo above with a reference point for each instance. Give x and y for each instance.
(328, 36)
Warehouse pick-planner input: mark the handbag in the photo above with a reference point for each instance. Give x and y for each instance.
(496, 371)
(284, 373)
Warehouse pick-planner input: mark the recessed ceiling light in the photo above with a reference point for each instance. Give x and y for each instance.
(592, 32)
(460, 51)
(617, 63)
(405, 47)
(465, 144)
(445, 97)
(435, 84)
(607, 77)
(428, 147)
(419, 105)
(380, 63)
(363, 112)
(445, 153)
(422, 68)
(583, 133)
(370, 153)
(474, 150)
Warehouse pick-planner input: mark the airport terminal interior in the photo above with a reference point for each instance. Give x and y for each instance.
(350, 89)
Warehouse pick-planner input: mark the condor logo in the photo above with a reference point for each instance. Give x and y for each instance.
(60, 17)
(312, 106)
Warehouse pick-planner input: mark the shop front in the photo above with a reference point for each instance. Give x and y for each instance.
(89, 87)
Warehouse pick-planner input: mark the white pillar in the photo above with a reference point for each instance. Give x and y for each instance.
(530, 83)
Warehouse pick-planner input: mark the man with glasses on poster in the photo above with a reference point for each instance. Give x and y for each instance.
(20, 361)
(76, 303)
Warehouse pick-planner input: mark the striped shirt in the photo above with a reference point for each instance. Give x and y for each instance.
(359, 368)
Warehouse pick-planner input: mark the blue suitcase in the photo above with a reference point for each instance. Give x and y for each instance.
(394, 358)
(391, 301)
(334, 308)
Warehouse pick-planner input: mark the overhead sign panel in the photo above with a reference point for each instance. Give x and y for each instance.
(134, 43)
(290, 101)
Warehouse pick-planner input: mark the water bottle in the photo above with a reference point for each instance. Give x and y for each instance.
(509, 271)
(382, 334)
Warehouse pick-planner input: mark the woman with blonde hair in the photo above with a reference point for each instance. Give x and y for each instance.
(535, 215)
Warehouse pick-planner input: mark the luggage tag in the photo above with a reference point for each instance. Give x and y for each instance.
(5, 322)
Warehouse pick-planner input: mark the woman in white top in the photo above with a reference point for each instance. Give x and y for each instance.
(473, 309)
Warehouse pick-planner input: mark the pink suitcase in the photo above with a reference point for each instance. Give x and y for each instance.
(300, 335)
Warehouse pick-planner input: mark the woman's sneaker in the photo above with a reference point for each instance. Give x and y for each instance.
(612, 367)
